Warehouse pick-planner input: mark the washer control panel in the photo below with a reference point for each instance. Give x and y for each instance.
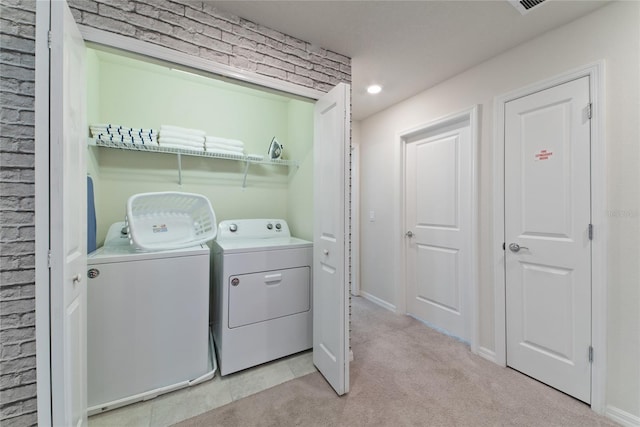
(253, 229)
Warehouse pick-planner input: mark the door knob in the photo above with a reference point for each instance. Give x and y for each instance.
(326, 252)
(514, 247)
(409, 234)
(76, 279)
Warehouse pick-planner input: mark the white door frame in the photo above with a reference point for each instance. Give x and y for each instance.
(124, 44)
(42, 184)
(43, 345)
(595, 72)
(400, 256)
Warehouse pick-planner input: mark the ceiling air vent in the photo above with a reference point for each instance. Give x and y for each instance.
(524, 6)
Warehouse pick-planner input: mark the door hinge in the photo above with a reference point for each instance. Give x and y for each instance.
(49, 38)
(590, 231)
(589, 110)
(49, 259)
(590, 354)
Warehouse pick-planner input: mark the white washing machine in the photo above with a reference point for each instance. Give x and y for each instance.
(147, 321)
(261, 297)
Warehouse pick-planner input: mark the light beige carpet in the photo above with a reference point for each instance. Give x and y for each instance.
(406, 374)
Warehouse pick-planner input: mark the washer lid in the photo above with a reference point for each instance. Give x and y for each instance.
(128, 253)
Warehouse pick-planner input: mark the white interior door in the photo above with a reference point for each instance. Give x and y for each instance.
(438, 209)
(68, 220)
(330, 238)
(547, 215)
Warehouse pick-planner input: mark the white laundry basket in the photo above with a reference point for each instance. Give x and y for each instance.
(169, 220)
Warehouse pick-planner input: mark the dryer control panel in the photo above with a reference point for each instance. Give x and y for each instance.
(252, 229)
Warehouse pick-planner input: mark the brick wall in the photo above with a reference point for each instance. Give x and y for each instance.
(193, 27)
(17, 232)
(198, 28)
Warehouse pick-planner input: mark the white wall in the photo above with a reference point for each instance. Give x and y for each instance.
(611, 33)
(355, 208)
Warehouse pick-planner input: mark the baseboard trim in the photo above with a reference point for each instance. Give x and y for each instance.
(378, 301)
(622, 417)
(485, 353)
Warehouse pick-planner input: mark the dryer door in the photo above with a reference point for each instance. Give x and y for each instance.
(267, 295)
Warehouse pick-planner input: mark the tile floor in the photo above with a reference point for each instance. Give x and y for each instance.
(181, 404)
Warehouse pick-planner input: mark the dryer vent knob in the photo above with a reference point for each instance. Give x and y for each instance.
(269, 226)
(233, 228)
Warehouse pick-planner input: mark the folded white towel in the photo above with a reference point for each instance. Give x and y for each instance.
(104, 129)
(180, 135)
(127, 139)
(140, 141)
(138, 131)
(103, 137)
(226, 153)
(125, 135)
(106, 125)
(223, 147)
(113, 127)
(96, 132)
(179, 141)
(218, 140)
(195, 132)
(183, 147)
(122, 131)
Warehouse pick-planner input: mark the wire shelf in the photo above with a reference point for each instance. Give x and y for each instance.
(187, 152)
(247, 159)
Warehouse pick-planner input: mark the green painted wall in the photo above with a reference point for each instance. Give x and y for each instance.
(92, 64)
(133, 93)
(300, 200)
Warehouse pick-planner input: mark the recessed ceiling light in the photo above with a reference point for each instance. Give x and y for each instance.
(373, 89)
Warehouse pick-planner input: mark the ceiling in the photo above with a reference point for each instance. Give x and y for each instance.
(408, 46)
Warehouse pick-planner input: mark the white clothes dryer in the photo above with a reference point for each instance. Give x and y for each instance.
(147, 321)
(261, 296)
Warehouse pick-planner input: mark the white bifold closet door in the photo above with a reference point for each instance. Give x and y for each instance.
(331, 238)
(68, 219)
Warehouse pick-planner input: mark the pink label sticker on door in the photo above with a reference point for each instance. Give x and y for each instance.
(543, 155)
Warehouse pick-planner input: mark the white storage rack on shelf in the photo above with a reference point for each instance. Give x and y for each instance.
(248, 159)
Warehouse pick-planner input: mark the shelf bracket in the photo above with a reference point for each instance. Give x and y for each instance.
(179, 169)
(244, 178)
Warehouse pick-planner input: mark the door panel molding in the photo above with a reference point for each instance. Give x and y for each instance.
(420, 132)
(595, 72)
